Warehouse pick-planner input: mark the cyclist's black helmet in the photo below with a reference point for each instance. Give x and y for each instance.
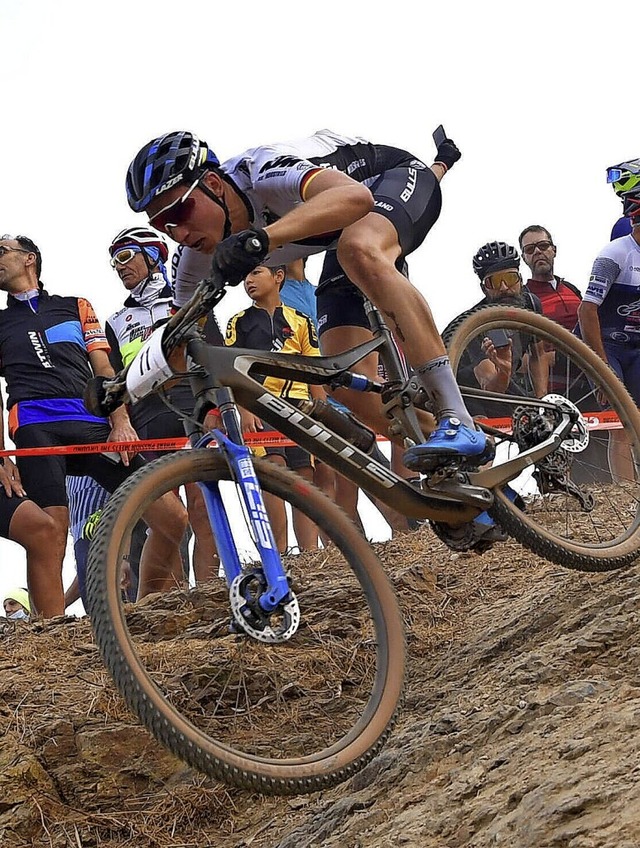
(172, 159)
(495, 256)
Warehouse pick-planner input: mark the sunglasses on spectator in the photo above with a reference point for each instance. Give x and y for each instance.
(4, 250)
(494, 282)
(121, 257)
(175, 213)
(530, 249)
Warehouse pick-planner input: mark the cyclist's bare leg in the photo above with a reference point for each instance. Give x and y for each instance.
(206, 562)
(276, 509)
(34, 530)
(368, 251)
(620, 457)
(305, 529)
(167, 522)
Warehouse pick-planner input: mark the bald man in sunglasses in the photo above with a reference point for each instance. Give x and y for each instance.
(49, 348)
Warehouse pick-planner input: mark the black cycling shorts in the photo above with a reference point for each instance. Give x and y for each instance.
(166, 425)
(43, 477)
(8, 506)
(408, 197)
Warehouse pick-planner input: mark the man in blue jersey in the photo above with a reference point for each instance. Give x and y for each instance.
(50, 346)
(609, 318)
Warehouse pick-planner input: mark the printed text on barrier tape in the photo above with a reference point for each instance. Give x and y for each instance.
(264, 439)
(271, 438)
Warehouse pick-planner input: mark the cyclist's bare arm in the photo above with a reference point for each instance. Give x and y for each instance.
(9, 474)
(333, 201)
(590, 327)
(121, 429)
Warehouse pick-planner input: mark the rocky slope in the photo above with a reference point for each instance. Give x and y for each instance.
(520, 728)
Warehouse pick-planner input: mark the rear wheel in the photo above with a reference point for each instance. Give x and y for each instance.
(579, 505)
(280, 718)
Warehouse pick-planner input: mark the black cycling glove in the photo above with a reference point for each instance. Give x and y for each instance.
(239, 254)
(448, 153)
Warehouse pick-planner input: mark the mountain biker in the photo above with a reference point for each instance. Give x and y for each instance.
(623, 177)
(370, 205)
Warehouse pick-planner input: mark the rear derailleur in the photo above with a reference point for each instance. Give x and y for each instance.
(553, 472)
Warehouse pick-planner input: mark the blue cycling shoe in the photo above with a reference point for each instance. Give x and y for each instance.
(450, 440)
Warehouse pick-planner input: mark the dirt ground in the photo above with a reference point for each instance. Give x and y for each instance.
(520, 727)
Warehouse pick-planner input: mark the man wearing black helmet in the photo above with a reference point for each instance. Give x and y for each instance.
(495, 361)
(369, 205)
(138, 256)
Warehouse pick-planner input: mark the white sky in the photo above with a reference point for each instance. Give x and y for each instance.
(538, 97)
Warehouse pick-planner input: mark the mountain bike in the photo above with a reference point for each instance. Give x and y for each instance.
(301, 689)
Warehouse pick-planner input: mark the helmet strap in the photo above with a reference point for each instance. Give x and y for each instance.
(222, 204)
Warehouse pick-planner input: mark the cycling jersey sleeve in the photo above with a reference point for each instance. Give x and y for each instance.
(283, 177)
(604, 273)
(92, 332)
(190, 268)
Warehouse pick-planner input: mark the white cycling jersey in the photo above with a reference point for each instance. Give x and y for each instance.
(272, 178)
(614, 286)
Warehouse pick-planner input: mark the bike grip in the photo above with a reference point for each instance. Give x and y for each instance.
(253, 245)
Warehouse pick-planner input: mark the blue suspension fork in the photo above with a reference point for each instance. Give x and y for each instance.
(238, 457)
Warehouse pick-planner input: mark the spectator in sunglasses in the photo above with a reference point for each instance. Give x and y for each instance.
(50, 346)
(560, 300)
(138, 256)
(503, 361)
(495, 362)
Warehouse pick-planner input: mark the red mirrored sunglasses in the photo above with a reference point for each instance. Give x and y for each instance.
(175, 213)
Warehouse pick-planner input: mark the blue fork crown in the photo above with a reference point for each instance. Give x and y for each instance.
(241, 464)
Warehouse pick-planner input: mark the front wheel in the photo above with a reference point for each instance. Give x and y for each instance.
(578, 506)
(279, 718)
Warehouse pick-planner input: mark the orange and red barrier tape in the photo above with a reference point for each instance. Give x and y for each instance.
(271, 438)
